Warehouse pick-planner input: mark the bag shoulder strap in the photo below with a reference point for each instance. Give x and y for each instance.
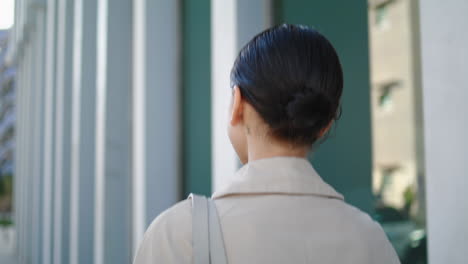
(207, 237)
(217, 249)
(200, 239)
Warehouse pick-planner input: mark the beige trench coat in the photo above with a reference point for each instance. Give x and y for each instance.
(275, 210)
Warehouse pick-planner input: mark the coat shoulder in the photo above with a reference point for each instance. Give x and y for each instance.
(169, 237)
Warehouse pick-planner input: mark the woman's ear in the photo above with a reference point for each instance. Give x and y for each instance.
(325, 129)
(237, 107)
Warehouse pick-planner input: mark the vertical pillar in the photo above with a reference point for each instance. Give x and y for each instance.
(62, 131)
(444, 67)
(24, 140)
(16, 186)
(233, 23)
(83, 133)
(112, 186)
(223, 53)
(25, 94)
(17, 164)
(30, 93)
(19, 170)
(27, 148)
(48, 155)
(37, 137)
(156, 111)
(139, 162)
(252, 18)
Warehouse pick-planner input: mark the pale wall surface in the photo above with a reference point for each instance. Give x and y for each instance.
(444, 69)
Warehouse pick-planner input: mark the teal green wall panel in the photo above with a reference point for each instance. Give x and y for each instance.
(344, 160)
(196, 96)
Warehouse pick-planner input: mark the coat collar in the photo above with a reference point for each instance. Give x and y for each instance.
(277, 175)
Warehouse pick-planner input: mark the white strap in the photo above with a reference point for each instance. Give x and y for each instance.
(200, 238)
(217, 250)
(207, 237)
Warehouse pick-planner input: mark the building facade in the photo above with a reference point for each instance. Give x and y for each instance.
(397, 127)
(7, 128)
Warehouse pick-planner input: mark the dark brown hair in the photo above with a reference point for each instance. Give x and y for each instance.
(292, 76)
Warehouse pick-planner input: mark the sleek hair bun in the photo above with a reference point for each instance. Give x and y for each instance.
(309, 110)
(292, 76)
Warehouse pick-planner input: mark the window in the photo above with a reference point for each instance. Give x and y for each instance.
(385, 100)
(381, 14)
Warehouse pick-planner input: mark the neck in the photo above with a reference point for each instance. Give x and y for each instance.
(269, 148)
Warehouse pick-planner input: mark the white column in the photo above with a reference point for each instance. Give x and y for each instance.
(156, 110)
(25, 94)
(58, 127)
(223, 51)
(48, 131)
(29, 93)
(101, 89)
(19, 151)
(62, 113)
(24, 146)
(252, 18)
(17, 184)
(27, 148)
(37, 136)
(233, 23)
(83, 133)
(445, 94)
(18, 161)
(113, 184)
(139, 123)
